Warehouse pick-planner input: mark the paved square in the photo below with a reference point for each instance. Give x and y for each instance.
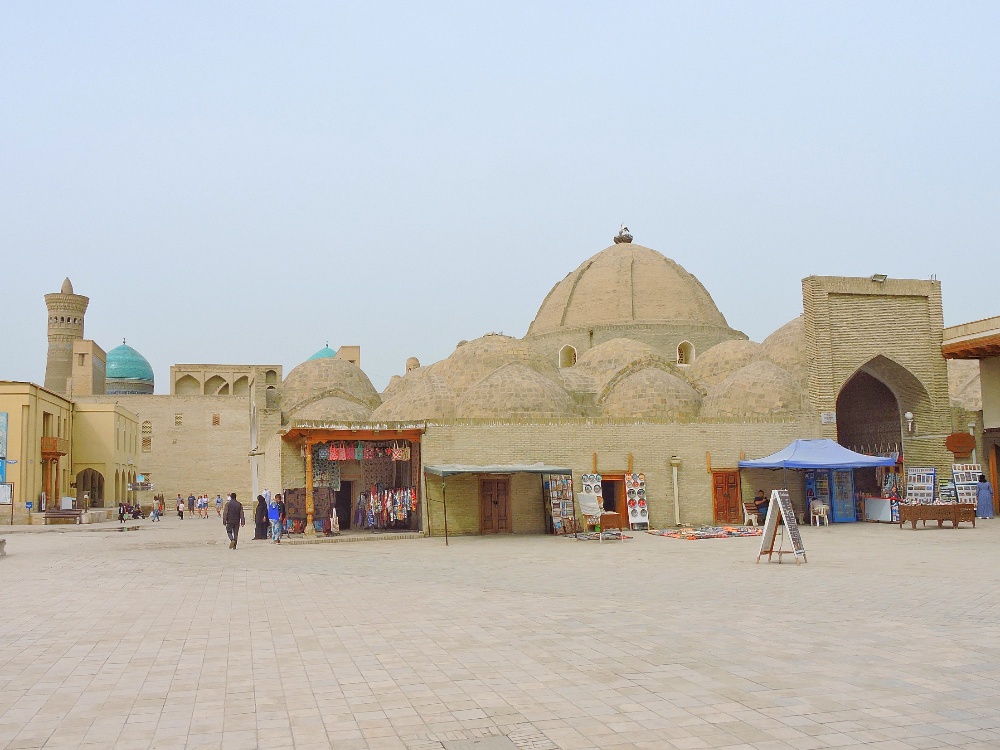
(164, 638)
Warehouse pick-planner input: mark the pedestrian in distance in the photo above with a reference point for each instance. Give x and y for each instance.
(218, 505)
(232, 519)
(180, 506)
(191, 503)
(282, 514)
(274, 517)
(984, 498)
(154, 513)
(260, 519)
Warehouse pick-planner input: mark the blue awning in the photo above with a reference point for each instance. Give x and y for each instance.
(816, 454)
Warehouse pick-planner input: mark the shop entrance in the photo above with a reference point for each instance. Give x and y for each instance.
(613, 490)
(726, 497)
(344, 504)
(868, 417)
(494, 505)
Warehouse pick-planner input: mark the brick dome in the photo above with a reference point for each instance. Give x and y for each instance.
(786, 347)
(761, 389)
(516, 390)
(317, 379)
(422, 394)
(653, 393)
(611, 356)
(625, 284)
(475, 360)
(722, 360)
(333, 408)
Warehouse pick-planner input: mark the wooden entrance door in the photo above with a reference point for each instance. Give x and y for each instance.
(494, 505)
(726, 497)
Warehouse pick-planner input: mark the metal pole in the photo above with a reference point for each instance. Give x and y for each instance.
(444, 501)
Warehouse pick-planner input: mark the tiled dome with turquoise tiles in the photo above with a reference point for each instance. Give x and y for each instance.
(128, 371)
(325, 353)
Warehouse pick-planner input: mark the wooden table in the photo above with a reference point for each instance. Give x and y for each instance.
(954, 512)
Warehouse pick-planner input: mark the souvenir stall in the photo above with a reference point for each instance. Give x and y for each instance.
(828, 474)
(356, 480)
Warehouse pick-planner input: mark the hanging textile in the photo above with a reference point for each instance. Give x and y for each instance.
(382, 508)
(326, 473)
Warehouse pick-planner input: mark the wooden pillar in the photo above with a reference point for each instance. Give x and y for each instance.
(46, 479)
(55, 491)
(310, 501)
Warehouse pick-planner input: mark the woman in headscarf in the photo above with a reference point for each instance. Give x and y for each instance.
(984, 498)
(260, 519)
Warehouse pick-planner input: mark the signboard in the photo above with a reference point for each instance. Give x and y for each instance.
(29, 505)
(6, 494)
(781, 504)
(828, 417)
(140, 486)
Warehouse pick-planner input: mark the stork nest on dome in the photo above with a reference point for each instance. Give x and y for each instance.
(623, 236)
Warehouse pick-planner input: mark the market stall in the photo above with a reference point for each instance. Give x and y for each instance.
(828, 473)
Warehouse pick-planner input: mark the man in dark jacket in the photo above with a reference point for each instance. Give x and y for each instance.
(233, 518)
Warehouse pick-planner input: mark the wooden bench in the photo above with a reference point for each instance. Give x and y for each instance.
(954, 512)
(57, 515)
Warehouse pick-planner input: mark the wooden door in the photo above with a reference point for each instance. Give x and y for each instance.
(494, 505)
(726, 497)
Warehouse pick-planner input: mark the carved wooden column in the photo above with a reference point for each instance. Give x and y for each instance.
(310, 502)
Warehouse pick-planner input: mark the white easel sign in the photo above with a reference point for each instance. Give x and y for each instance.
(781, 504)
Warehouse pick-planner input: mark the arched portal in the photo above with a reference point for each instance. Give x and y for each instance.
(868, 416)
(90, 485)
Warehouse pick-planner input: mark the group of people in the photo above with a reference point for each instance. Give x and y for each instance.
(128, 510)
(198, 505)
(270, 512)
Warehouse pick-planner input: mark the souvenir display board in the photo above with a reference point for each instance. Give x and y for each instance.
(966, 477)
(781, 504)
(591, 497)
(920, 483)
(559, 492)
(635, 501)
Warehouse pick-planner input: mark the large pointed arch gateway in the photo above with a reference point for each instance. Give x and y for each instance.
(871, 409)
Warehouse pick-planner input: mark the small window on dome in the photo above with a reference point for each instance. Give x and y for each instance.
(685, 353)
(147, 428)
(567, 356)
(178, 420)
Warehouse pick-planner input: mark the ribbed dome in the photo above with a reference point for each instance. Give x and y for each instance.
(722, 360)
(422, 394)
(761, 389)
(67, 286)
(623, 284)
(516, 391)
(474, 360)
(125, 363)
(333, 408)
(319, 378)
(653, 393)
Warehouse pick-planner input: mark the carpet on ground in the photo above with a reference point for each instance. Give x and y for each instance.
(708, 532)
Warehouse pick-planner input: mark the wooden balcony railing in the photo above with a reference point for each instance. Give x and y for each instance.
(53, 447)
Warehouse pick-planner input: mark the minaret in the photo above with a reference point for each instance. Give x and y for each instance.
(65, 326)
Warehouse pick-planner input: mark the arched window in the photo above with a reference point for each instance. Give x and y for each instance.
(685, 353)
(270, 377)
(567, 356)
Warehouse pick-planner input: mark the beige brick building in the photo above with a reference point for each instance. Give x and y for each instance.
(627, 367)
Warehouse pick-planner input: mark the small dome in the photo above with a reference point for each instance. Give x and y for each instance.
(653, 393)
(516, 391)
(475, 360)
(125, 363)
(427, 395)
(611, 356)
(722, 360)
(625, 284)
(333, 408)
(319, 378)
(786, 347)
(325, 353)
(67, 286)
(761, 389)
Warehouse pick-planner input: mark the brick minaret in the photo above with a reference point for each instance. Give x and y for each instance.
(64, 327)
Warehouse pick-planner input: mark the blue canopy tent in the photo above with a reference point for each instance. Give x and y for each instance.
(830, 464)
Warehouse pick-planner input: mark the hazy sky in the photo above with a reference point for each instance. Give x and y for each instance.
(243, 182)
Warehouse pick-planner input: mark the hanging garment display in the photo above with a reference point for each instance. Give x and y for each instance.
(384, 508)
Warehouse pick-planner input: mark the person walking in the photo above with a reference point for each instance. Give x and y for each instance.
(154, 512)
(260, 519)
(282, 515)
(984, 498)
(121, 513)
(180, 506)
(274, 516)
(191, 503)
(232, 519)
(218, 505)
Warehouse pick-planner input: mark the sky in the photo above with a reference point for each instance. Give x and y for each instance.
(245, 182)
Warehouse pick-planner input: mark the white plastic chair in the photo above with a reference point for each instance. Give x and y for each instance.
(819, 514)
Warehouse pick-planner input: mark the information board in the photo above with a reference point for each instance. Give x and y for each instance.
(781, 504)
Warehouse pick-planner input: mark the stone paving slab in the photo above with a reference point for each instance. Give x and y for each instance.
(165, 638)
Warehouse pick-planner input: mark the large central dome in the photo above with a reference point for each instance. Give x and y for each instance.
(626, 284)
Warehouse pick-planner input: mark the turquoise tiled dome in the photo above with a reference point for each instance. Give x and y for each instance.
(325, 353)
(125, 363)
